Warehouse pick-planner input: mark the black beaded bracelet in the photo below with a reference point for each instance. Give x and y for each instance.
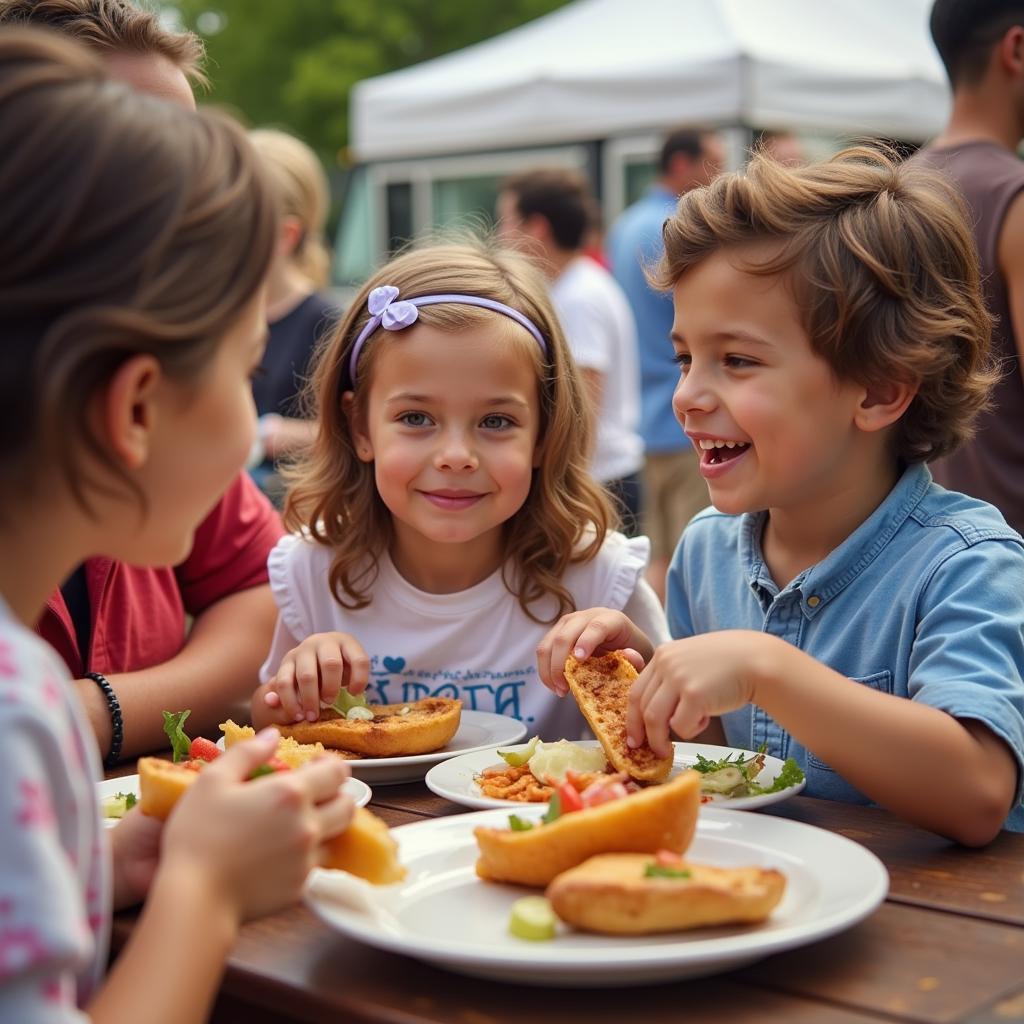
(116, 720)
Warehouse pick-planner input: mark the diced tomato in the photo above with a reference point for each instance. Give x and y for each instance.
(668, 859)
(203, 749)
(278, 765)
(601, 792)
(570, 797)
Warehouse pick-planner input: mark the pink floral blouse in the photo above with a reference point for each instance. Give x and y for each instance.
(55, 889)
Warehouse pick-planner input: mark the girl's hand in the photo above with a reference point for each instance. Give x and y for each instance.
(252, 843)
(312, 673)
(135, 852)
(689, 681)
(594, 631)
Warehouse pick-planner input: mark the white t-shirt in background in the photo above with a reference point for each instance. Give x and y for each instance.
(477, 644)
(601, 332)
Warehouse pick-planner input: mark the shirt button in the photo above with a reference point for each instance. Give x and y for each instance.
(813, 601)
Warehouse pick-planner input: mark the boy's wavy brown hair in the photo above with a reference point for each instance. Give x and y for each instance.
(112, 26)
(882, 265)
(333, 495)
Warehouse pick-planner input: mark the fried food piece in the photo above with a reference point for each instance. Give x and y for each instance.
(659, 818)
(611, 895)
(392, 732)
(366, 848)
(288, 750)
(601, 688)
(161, 784)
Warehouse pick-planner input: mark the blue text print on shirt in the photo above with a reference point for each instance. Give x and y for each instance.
(392, 682)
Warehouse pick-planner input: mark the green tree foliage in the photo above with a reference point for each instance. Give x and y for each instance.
(292, 63)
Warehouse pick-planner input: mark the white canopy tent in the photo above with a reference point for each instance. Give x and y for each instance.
(598, 68)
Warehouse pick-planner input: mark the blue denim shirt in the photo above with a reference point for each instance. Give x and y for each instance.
(924, 600)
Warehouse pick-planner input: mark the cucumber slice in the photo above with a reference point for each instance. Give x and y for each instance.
(516, 759)
(532, 919)
(116, 806)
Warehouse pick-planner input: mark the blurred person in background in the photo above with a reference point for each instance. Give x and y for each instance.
(121, 629)
(298, 309)
(673, 489)
(981, 43)
(547, 214)
(783, 147)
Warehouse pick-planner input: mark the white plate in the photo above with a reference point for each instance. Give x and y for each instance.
(455, 780)
(445, 915)
(478, 730)
(358, 790)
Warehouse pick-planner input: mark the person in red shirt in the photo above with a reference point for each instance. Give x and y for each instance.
(129, 625)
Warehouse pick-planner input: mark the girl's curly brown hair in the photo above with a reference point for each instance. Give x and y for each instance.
(883, 267)
(333, 496)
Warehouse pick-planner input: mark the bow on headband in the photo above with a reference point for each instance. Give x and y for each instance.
(394, 316)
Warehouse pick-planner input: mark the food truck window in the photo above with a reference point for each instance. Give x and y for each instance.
(353, 251)
(465, 201)
(398, 198)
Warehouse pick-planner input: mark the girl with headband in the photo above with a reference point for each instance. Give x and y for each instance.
(445, 516)
(134, 242)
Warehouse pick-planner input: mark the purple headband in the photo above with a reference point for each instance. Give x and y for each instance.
(396, 316)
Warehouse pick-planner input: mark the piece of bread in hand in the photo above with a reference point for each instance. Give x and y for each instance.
(658, 818)
(365, 848)
(610, 894)
(601, 687)
(426, 726)
(289, 750)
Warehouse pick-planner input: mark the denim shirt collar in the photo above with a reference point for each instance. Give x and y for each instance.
(823, 581)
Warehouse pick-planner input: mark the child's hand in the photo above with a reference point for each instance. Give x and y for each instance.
(594, 631)
(252, 843)
(312, 673)
(135, 852)
(689, 681)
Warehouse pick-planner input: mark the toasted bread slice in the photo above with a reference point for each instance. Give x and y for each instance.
(658, 818)
(289, 750)
(365, 848)
(426, 726)
(611, 895)
(601, 688)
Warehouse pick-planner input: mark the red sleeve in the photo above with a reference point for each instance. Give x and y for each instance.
(230, 549)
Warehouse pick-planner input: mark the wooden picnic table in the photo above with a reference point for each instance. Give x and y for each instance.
(946, 946)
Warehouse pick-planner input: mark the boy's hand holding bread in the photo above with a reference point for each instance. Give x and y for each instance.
(617, 867)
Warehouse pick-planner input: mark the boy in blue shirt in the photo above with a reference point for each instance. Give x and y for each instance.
(835, 604)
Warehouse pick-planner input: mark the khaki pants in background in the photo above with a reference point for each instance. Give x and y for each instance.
(674, 492)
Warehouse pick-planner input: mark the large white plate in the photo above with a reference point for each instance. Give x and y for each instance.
(456, 779)
(445, 915)
(358, 790)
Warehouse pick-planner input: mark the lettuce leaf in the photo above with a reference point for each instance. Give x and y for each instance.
(174, 722)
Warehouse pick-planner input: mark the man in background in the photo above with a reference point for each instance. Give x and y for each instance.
(981, 43)
(673, 491)
(547, 213)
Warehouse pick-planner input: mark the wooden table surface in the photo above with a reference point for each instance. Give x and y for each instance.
(946, 946)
